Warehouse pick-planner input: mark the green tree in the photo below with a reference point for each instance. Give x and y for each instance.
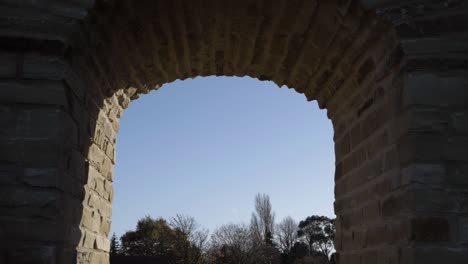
(114, 245)
(155, 237)
(319, 234)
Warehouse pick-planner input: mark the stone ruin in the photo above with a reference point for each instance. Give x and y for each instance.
(392, 74)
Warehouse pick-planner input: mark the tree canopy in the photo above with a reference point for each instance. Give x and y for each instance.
(319, 233)
(183, 240)
(154, 237)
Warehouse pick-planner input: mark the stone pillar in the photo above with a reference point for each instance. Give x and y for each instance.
(434, 147)
(433, 152)
(401, 186)
(370, 201)
(95, 223)
(41, 167)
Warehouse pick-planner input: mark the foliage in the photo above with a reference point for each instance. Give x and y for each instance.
(154, 237)
(195, 243)
(319, 233)
(114, 246)
(231, 244)
(235, 243)
(183, 240)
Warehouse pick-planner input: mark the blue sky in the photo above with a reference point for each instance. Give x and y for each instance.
(205, 146)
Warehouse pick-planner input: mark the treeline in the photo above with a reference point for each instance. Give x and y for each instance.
(182, 240)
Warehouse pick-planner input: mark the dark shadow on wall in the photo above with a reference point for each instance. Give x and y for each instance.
(42, 161)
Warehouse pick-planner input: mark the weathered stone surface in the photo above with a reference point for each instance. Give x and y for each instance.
(37, 230)
(460, 122)
(432, 90)
(40, 255)
(89, 240)
(105, 226)
(9, 175)
(424, 173)
(78, 167)
(463, 227)
(8, 62)
(43, 177)
(440, 255)
(31, 153)
(36, 66)
(27, 197)
(66, 255)
(90, 219)
(51, 92)
(430, 229)
(102, 243)
(457, 174)
(388, 255)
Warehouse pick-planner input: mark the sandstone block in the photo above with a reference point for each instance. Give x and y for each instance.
(423, 173)
(440, 254)
(33, 92)
(43, 177)
(432, 90)
(102, 243)
(8, 62)
(430, 229)
(459, 121)
(34, 254)
(89, 240)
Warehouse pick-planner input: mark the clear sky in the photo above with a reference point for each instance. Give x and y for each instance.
(205, 146)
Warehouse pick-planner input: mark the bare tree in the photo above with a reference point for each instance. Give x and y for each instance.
(256, 229)
(263, 219)
(185, 223)
(231, 244)
(286, 234)
(196, 236)
(188, 226)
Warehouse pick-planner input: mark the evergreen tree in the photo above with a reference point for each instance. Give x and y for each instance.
(319, 233)
(114, 245)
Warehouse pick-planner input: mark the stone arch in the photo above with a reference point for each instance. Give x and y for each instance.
(395, 93)
(328, 51)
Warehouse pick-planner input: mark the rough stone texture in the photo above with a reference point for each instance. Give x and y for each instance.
(391, 74)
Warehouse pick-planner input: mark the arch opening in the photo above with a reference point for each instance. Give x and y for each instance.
(206, 147)
(223, 103)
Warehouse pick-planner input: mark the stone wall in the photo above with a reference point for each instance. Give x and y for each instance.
(433, 147)
(392, 78)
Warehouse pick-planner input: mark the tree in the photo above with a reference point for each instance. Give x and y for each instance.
(231, 244)
(263, 219)
(114, 245)
(319, 233)
(197, 237)
(153, 237)
(299, 250)
(286, 234)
